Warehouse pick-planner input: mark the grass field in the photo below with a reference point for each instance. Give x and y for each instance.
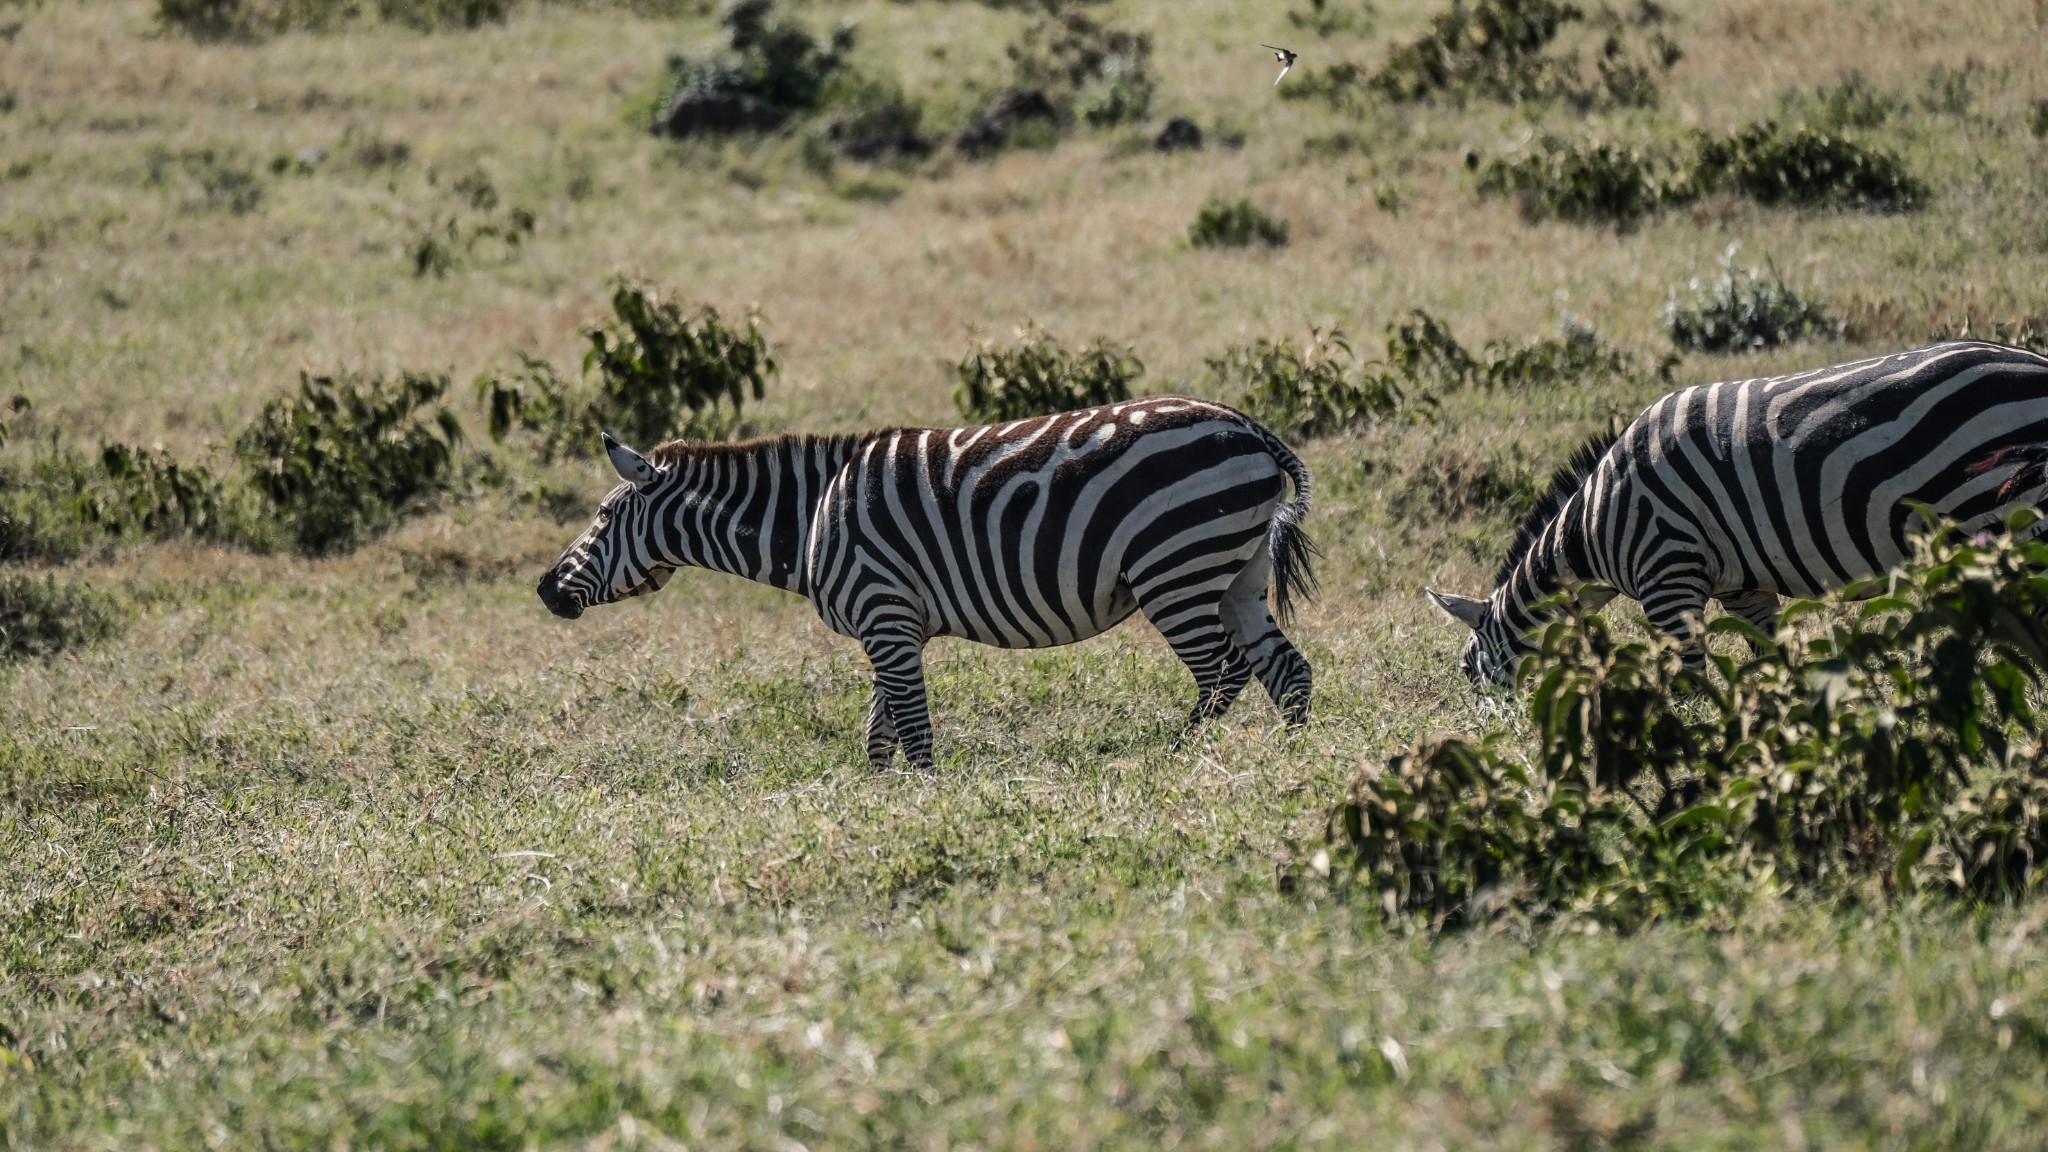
(371, 852)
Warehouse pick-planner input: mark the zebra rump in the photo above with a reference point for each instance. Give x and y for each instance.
(1747, 490)
(1027, 534)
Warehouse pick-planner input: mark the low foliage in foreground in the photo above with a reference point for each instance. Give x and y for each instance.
(1899, 749)
(1039, 376)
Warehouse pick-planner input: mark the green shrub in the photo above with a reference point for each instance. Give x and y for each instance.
(1308, 392)
(345, 458)
(1236, 224)
(1424, 353)
(220, 179)
(219, 19)
(1038, 377)
(658, 375)
(39, 616)
(1492, 48)
(1099, 72)
(1807, 167)
(777, 61)
(468, 217)
(1743, 310)
(1595, 181)
(661, 374)
(147, 492)
(1900, 749)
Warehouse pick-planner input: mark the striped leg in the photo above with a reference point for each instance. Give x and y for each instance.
(1192, 622)
(1758, 607)
(881, 730)
(1278, 665)
(899, 686)
(1675, 605)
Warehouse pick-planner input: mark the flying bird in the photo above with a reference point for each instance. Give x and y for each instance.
(1286, 60)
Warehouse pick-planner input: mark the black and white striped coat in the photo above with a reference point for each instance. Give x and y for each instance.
(1021, 535)
(1748, 489)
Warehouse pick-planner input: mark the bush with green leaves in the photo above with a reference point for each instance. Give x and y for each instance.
(652, 373)
(39, 616)
(1742, 310)
(1595, 181)
(1899, 748)
(768, 58)
(1807, 167)
(1504, 50)
(1095, 71)
(1311, 391)
(222, 19)
(1038, 376)
(1422, 350)
(345, 458)
(1236, 224)
(60, 503)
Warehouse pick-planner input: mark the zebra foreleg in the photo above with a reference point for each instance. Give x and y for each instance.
(899, 690)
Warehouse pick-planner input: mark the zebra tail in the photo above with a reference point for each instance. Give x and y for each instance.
(1292, 552)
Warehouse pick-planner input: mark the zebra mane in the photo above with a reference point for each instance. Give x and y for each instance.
(679, 451)
(1563, 483)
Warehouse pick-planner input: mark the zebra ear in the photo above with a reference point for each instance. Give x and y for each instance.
(633, 467)
(1463, 609)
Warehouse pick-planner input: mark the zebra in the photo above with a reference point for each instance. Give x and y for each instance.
(1027, 534)
(1748, 489)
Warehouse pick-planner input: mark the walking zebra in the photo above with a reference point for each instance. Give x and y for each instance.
(1021, 535)
(1747, 489)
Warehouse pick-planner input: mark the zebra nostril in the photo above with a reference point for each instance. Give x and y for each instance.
(556, 600)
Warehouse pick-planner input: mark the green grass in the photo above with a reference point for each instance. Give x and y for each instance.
(371, 852)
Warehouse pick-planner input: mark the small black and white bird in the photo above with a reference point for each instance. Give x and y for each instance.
(1286, 60)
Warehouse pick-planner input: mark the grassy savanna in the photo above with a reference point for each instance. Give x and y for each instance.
(369, 851)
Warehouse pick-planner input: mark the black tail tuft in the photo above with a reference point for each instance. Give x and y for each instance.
(1293, 553)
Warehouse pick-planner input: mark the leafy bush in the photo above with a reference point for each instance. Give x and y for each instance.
(345, 458)
(1805, 166)
(1900, 749)
(1743, 310)
(469, 219)
(1099, 72)
(1595, 181)
(778, 62)
(1502, 50)
(219, 19)
(1038, 377)
(874, 120)
(1422, 350)
(1236, 224)
(1493, 48)
(1313, 391)
(660, 374)
(147, 492)
(221, 180)
(39, 617)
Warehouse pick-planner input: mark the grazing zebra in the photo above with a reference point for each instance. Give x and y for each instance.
(1747, 489)
(1021, 535)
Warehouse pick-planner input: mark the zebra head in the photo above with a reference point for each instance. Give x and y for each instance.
(622, 553)
(1493, 650)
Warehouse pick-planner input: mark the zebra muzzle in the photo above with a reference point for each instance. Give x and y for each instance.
(557, 601)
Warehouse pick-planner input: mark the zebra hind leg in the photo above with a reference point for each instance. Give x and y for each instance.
(1192, 623)
(1758, 608)
(1279, 666)
(881, 730)
(899, 690)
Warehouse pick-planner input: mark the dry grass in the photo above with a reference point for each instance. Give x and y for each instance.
(261, 860)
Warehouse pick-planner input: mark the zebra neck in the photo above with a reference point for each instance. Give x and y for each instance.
(1539, 574)
(749, 507)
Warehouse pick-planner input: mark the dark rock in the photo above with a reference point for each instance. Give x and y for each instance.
(694, 111)
(1003, 115)
(1179, 133)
